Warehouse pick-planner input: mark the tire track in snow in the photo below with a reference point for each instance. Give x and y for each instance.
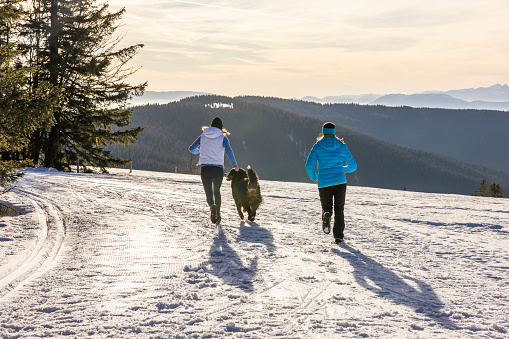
(37, 259)
(72, 189)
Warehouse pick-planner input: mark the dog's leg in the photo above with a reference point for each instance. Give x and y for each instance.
(239, 209)
(249, 213)
(253, 215)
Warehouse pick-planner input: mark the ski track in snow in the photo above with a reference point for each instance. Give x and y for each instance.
(135, 255)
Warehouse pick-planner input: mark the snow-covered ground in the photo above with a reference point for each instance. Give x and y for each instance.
(135, 256)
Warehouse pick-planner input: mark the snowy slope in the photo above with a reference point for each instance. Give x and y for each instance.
(134, 256)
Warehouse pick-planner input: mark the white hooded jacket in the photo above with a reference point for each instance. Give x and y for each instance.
(211, 147)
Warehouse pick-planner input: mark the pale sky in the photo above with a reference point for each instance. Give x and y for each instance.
(294, 48)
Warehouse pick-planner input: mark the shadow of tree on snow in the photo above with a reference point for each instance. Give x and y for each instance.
(380, 280)
(227, 265)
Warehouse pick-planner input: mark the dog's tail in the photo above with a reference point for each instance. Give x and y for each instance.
(254, 196)
(253, 178)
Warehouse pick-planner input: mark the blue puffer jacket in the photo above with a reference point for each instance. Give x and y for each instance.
(330, 153)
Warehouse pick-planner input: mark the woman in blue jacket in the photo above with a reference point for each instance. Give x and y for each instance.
(331, 153)
(211, 146)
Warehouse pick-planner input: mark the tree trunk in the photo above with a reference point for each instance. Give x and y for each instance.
(52, 144)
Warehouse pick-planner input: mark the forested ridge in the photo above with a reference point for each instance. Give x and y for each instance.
(276, 143)
(477, 136)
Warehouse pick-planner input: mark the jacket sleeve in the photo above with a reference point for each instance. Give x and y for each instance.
(194, 148)
(310, 165)
(351, 165)
(229, 152)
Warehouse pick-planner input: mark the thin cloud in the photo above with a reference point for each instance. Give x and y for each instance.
(273, 14)
(324, 43)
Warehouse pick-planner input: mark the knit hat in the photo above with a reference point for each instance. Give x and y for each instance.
(329, 128)
(216, 122)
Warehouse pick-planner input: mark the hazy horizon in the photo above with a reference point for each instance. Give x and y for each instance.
(429, 91)
(317, 48)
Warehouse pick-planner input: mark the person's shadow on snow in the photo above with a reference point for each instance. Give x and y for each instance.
(227, 265)
(378, 279)
(253, 233)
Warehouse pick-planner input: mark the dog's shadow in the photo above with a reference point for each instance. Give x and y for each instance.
(404, 290)
(253, 233)
(227, 265)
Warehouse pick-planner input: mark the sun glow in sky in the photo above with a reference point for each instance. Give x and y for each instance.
(289, 48)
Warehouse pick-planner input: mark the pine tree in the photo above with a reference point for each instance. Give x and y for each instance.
(495, 191)
(23, 109)
(72, 43)
(481, 190)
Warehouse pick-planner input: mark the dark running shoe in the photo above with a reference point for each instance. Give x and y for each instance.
(214, 214)
(326, 223)
(339, 240)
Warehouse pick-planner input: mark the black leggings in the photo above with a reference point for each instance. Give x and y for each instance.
(334, 195)
(212, 178)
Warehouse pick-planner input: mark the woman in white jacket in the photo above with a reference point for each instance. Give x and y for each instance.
(211, 146)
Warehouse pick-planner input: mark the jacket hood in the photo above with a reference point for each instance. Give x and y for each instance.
(212, 132)
(329, 143)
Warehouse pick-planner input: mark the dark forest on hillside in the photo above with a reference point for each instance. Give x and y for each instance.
(477, 136)
(276, 143)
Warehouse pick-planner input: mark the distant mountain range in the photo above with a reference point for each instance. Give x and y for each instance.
(495, 93)
(495, 97)
(343, 99)
(437, 100)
